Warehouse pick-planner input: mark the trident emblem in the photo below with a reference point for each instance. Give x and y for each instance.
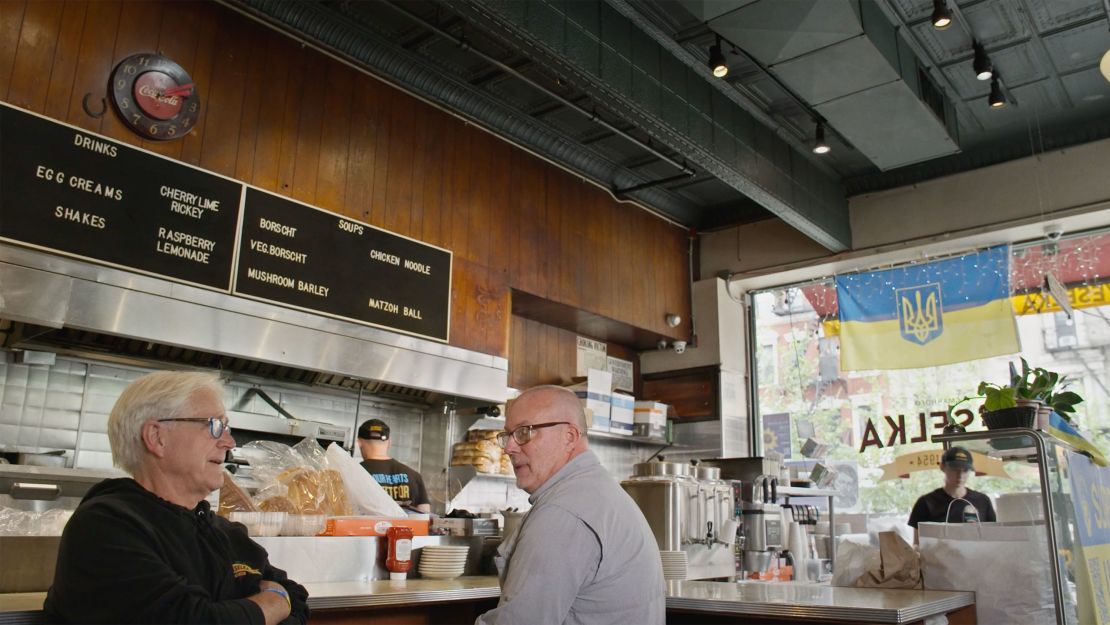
(919, 313)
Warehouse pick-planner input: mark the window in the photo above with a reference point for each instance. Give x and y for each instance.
(869, 418)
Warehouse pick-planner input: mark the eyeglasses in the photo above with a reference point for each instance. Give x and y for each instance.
(216, 425)
(523, 434)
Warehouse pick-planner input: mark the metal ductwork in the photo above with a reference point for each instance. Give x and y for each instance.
(77, 307)
(363, 47)
(847, 61)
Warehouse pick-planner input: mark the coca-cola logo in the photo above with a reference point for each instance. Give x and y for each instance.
(154, 94)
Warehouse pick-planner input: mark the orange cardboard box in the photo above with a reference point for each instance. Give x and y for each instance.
(373, 525)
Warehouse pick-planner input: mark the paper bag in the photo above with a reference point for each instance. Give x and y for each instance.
(899, 565)
(853, 559)
(1006, 566)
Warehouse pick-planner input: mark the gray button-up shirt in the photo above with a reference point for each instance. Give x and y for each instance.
(584, 555)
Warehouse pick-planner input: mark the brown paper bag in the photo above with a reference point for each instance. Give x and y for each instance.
(899, 565)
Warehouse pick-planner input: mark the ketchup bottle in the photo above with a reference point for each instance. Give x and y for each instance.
(398, 559)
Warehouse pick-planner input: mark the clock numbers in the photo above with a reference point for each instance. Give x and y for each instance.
(154, 96)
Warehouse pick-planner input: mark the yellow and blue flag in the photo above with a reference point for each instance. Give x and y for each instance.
(1065, 431)
(927, 314)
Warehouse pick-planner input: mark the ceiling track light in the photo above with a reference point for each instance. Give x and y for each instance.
(984, 69)
(997, 99)
(717, 62)
(820, 146)
(942, 18)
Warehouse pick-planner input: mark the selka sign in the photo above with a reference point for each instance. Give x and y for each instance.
(79, 194)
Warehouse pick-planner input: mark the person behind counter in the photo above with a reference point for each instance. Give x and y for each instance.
(399, 480)
(148, 549)
(937, 506)
(584, 553)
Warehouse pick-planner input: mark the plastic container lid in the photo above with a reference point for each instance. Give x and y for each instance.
(397, 577)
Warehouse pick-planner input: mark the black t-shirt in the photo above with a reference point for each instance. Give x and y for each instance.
(931, 508)
(404, 485)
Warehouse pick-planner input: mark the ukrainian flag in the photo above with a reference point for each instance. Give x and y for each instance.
(1061, 429)
(927, 314)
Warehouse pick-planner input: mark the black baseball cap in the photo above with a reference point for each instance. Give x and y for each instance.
(374, 430)
(957, 457)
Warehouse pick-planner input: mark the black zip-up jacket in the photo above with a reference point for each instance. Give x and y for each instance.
(128, 556)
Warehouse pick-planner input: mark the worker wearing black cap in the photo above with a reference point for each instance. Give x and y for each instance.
(398, 479)
(957, 465)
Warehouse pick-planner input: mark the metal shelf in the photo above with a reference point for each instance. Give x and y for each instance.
(798, 491)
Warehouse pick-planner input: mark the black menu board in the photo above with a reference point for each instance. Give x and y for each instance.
(83, 195)
(303, 256)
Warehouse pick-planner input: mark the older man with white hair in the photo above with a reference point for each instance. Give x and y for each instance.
(584, 554)
(147, 549)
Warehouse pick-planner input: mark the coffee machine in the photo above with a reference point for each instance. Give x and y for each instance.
(760, 531)
(754, 484)
(691, 513)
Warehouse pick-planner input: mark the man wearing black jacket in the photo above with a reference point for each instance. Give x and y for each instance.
(148, 549)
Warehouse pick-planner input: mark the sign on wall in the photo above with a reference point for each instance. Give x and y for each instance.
(300, 255)
(79, 194)
(82, 195)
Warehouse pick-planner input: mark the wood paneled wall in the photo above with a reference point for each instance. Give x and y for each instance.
(543, 354)
(293, 121)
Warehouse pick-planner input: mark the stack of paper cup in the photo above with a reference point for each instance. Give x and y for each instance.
(799, 546)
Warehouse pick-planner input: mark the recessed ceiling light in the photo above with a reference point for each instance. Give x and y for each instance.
(1104, 66)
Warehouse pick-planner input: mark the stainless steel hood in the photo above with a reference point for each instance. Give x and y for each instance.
(118, 311)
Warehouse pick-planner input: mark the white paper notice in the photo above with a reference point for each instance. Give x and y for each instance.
(622, 373)
(591, 355)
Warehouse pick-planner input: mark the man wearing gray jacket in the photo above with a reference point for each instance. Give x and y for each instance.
(584, 554)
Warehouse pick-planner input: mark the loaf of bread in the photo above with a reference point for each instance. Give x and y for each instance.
(333, 495)
(233, 498)
(277, 504)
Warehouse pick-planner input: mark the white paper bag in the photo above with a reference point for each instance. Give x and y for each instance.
(1005, 565)
(365, 494)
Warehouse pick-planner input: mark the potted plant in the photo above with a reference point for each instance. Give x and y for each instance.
(1002, 411)
(952, 426)
(1044, 389)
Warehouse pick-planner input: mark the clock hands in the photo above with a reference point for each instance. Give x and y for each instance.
(181, 90)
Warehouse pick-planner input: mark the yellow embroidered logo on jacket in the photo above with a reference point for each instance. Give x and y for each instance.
(239, 569)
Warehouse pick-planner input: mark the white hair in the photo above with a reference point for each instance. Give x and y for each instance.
(159, 395)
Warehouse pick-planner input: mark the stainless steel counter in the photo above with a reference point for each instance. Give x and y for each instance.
(814, 601)
(324, 595)
(803, 602)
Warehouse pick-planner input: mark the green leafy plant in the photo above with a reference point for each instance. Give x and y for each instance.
(1036, 383)
(997, 397)
(952, 407)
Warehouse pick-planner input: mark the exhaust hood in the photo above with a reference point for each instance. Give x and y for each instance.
(47, 300)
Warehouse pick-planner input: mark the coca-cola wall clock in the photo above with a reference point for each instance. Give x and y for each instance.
(154, 96)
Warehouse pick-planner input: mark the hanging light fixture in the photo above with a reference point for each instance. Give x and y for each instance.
(984, 69)
(941, 17)
(820, 146)
(997, 99)
(717, 62)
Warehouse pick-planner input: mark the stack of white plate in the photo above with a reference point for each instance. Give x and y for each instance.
(674, 564)
(443, 561)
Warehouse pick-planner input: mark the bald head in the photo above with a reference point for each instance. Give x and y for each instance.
(558, 435)
(555, 403)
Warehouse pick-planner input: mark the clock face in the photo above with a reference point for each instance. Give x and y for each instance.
(154, 96)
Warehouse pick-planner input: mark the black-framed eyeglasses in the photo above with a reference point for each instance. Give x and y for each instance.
(523, 434)
(216, 425)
